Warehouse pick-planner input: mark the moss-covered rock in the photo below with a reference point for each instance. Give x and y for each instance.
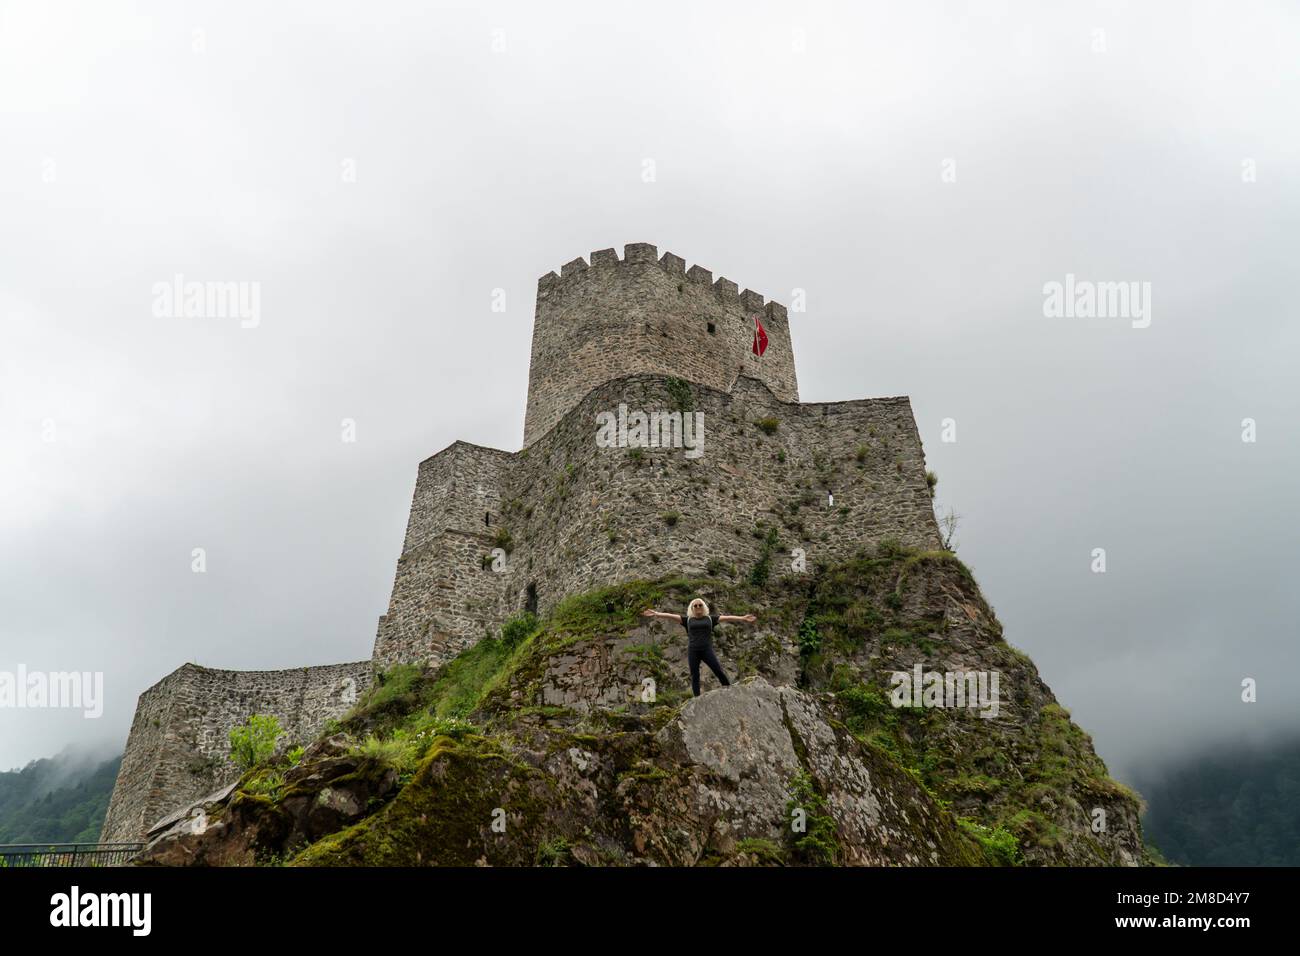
(574, 741)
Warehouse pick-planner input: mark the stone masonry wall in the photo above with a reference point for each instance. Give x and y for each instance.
(579, 515)
(455, 488)
(646, 314)
(443, 600)
(179, 746)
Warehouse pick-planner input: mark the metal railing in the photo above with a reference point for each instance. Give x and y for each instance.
(67, 854)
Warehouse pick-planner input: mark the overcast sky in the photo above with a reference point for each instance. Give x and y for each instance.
(378, 169)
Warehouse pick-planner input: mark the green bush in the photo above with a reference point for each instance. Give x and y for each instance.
(818, 845)
(516, 630)
(762, 569)
(810, 641)
(254, 741)
(1000, 847)
(680, 392)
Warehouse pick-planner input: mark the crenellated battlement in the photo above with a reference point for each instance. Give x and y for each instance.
(603, 317)
(573, 272)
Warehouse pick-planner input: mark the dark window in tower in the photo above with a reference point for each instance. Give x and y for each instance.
(487, 518)
(712, 328)
(530, 598)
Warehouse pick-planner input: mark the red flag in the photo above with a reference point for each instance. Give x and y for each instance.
(760, 338)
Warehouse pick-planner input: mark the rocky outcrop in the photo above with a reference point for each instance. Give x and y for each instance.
(328, 790)
(754, 740)
(574, 740)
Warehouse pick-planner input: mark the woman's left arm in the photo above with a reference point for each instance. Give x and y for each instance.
(738, 619)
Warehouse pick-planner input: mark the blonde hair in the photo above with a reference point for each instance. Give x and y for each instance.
(702, 603)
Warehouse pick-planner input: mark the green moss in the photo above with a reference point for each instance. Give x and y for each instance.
(445, 816)
(679, 391)
(864, 707)
(1032, 828)
(392, 696)
(503, 540)
(763, 567)
(766, 851)
(999, 847)
(554, 852)
(465, 679)
(518, 629)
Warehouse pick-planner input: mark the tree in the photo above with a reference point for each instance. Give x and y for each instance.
(254, 741)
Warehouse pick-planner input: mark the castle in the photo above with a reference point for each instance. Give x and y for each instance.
(492, 533)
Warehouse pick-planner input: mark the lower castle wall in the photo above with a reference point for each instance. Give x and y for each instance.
(443, 600)
(179, 745)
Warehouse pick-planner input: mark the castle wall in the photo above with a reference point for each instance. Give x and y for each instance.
(589, 515)
(580, 515)
(443, 600)
(179, 745)
(646, 314)
(455, 489)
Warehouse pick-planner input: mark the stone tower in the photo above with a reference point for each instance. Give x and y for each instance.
(645, 314)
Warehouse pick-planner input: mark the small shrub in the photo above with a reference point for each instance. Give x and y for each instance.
(553, 852)
(717, 568)
(516, 630)
(1000, 847)
(762, 569)
(765, 851)
(768, 425)
(818, 844)
(265, 783)
(810, 641)
(670, 518)
(680, 392)
(254, 741)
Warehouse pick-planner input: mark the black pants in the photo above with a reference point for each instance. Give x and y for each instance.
(704, 652)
